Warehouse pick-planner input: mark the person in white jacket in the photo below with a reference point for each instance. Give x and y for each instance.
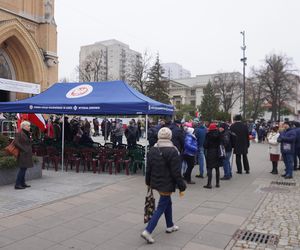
(274, 148)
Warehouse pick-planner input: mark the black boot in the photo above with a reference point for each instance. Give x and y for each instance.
(274, 169)
(209, 176)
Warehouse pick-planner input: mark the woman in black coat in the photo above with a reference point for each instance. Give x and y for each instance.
(23, 143)
(163, 174)
(211, 148)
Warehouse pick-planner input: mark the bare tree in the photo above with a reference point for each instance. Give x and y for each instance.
(255, 97)
(139, 73)
(227, 87)
(94, 68)
(276, 76)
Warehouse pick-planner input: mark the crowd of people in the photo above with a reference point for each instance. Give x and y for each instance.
(176, 146)
(213, 145)
(81, 131)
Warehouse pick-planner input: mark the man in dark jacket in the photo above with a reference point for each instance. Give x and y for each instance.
(242, 144)
(287, 139)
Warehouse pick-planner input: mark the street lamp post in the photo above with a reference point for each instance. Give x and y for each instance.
(243, 60)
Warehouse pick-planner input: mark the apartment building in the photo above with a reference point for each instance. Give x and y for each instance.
(107, 60)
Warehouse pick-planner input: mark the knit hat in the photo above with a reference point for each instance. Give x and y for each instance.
(212, 126)
(165, 133)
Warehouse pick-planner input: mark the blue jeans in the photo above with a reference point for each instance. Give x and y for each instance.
(226, 165)
(288, 160)
(201, 160)
(164, 206)
(21, 177)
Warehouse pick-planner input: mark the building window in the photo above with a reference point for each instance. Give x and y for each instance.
(193, 92)
(193, 103)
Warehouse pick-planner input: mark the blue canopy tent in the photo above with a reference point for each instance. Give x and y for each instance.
(97, 98)
(92, 98)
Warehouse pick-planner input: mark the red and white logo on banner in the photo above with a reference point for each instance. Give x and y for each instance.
(79, 91)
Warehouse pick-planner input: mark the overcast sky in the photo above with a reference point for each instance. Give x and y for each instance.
(201, 35)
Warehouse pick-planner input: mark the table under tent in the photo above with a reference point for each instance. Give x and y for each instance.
(91, 98)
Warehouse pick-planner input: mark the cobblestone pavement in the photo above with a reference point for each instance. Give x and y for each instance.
(278, 215)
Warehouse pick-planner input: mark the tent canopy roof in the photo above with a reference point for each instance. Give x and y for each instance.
(100, 98)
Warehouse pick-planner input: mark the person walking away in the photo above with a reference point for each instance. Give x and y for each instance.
(190, 150)
(200, 133)
(163, 175)
(274, 148)
(297, 146)
(23, 143)
(131, 135)
(287, 140)
(227, 139)
(242, 144)
(211, 146)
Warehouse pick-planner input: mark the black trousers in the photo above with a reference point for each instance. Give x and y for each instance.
(209, 176)
(239, 163)
(190, 161)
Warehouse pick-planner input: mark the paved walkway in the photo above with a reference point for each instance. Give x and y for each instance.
(97, 211)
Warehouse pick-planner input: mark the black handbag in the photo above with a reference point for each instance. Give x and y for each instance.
(149, 205)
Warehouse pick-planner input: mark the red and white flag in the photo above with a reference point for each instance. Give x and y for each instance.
(36, 119)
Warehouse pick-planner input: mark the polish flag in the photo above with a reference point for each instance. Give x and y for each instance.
(36, 119)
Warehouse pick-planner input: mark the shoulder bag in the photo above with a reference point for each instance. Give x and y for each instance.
(11, 149)
(149, 205)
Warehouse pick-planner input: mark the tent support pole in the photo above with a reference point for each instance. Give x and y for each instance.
(146, 143)
(63, 143)
(105, 131)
